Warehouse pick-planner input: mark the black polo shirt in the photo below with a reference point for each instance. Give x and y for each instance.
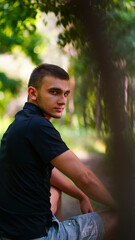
(27, 148)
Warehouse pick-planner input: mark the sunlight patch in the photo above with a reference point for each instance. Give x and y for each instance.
(100, 146)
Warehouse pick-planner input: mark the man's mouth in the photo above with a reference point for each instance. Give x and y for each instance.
(59, 109)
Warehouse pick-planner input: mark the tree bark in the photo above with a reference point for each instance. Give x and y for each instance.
(71, 99)
(84, 114)
(125, 102)
(98, 107)
(132, 108)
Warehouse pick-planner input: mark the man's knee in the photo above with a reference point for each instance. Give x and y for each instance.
(56, 202)
(110, 221)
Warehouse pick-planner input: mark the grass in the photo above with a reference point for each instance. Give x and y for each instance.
(82, 140)
(4, 123)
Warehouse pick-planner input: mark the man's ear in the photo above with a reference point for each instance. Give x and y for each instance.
(32, 93)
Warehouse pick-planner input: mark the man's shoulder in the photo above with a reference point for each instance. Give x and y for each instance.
(39, 122)
(40, 127)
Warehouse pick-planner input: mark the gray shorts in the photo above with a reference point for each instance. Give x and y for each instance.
(84, 227)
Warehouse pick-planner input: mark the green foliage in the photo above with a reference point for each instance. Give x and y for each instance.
(9, 84)
(5, 121)
(8, 89)
(32, 45)
(82, 140)
(121, 34)
(17, 16)
(18, 28)
(85, 88)
(117, 21)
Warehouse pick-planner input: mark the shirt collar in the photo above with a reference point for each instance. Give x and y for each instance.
(32, 108)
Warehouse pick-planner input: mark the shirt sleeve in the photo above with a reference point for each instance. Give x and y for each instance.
(45, 140)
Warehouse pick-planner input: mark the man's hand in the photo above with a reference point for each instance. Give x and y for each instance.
(63, 184)
(85, 205)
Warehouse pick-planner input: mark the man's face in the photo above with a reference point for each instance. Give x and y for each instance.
(52, 97)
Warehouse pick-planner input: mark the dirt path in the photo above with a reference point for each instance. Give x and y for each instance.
(70, 206)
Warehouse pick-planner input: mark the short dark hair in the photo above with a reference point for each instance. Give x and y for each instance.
(43, 70)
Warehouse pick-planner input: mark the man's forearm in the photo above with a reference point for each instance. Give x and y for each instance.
(95, 189)
(71, 166)
(59, 181)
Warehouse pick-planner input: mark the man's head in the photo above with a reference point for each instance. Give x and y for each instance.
(43, 70)
(48, 88)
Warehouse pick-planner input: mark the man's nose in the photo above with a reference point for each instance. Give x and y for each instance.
(62, 100)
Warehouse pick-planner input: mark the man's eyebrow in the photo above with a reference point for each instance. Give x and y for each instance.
(57, 89)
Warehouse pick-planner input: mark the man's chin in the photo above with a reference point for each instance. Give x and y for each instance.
(54, 116)
(49, 116)
(57, 117)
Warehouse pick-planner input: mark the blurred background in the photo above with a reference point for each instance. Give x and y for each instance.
(31, 34)
(95, 42)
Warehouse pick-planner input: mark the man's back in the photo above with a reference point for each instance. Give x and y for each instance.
(25, 171)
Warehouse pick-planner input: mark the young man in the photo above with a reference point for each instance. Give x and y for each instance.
(30, 149)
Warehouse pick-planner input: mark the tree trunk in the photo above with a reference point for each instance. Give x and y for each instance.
(125, 103)
(71, 99)
(132, 108)
(98, 107)
(84, 114)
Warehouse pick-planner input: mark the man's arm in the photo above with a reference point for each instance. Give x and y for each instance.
(69, 164)
(59, 181)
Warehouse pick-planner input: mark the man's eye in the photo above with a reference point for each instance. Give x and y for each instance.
(54, 92)
(66, 94)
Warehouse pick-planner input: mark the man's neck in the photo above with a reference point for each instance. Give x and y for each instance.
(45, 115)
